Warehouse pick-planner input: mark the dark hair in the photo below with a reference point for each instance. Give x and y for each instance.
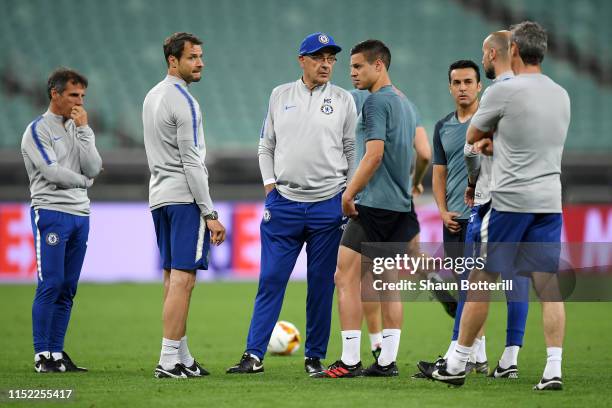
(372, 51)
(531, 40)
(175, 44)
(61, 76)
(464, 64)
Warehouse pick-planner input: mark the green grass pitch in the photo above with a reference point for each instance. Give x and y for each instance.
(116, 332)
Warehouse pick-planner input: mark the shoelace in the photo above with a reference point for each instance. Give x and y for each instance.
(337, 370)
(245, 360)
(334, 366)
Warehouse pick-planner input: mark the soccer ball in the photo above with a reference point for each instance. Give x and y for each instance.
(285, 339)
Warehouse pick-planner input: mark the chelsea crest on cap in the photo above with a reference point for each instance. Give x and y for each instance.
(316, 42)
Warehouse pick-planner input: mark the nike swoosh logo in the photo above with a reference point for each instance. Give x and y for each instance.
(287, 107)
(57, 138)
(500, 372)
(350, 338)
(257, 367)
(388, 335)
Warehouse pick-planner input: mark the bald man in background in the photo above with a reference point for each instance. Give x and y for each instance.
(530, 115)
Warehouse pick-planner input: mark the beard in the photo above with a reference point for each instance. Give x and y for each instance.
(490, 72)
(189, 75)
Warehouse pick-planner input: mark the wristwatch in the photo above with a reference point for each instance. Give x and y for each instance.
(213, 215)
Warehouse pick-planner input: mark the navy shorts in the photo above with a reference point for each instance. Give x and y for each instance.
(182, 237)
(520, 242)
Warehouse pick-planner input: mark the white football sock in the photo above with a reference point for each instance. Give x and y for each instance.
(57, 356)
(45, 354)
(509, 357)
(481, 355)
(457, 359)
(390, 346)
(169, 356)
(451, 348)
(184, 354)
(553, 362)
(375, 340)
(351, 346)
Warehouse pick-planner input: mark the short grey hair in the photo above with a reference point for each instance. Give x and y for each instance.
(531, 40)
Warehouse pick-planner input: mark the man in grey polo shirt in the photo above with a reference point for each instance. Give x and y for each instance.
(497, 65)
(531, 114)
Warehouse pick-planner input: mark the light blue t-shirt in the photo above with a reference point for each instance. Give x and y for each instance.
(359, 96)
(448, 143)
(389, 116)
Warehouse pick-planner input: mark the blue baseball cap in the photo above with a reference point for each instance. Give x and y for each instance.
(316, 42)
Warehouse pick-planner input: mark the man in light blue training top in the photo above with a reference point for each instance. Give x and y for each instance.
(306, 151)
(61, 160)
(183, 213)
(382, 188)
(372, 309)
(449, 177)
(531, 114)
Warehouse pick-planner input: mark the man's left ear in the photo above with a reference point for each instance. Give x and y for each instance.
(379, 65)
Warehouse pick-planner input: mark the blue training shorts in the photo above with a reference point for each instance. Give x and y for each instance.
(521, 242)
(182, 237)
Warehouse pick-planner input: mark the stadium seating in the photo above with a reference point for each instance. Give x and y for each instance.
(249, 47)
(579, 21)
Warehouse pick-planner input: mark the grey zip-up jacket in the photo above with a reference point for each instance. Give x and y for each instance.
(174, 142)
(307, 141)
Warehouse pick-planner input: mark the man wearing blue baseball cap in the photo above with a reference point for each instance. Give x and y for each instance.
(306, 155)
(317, 42)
